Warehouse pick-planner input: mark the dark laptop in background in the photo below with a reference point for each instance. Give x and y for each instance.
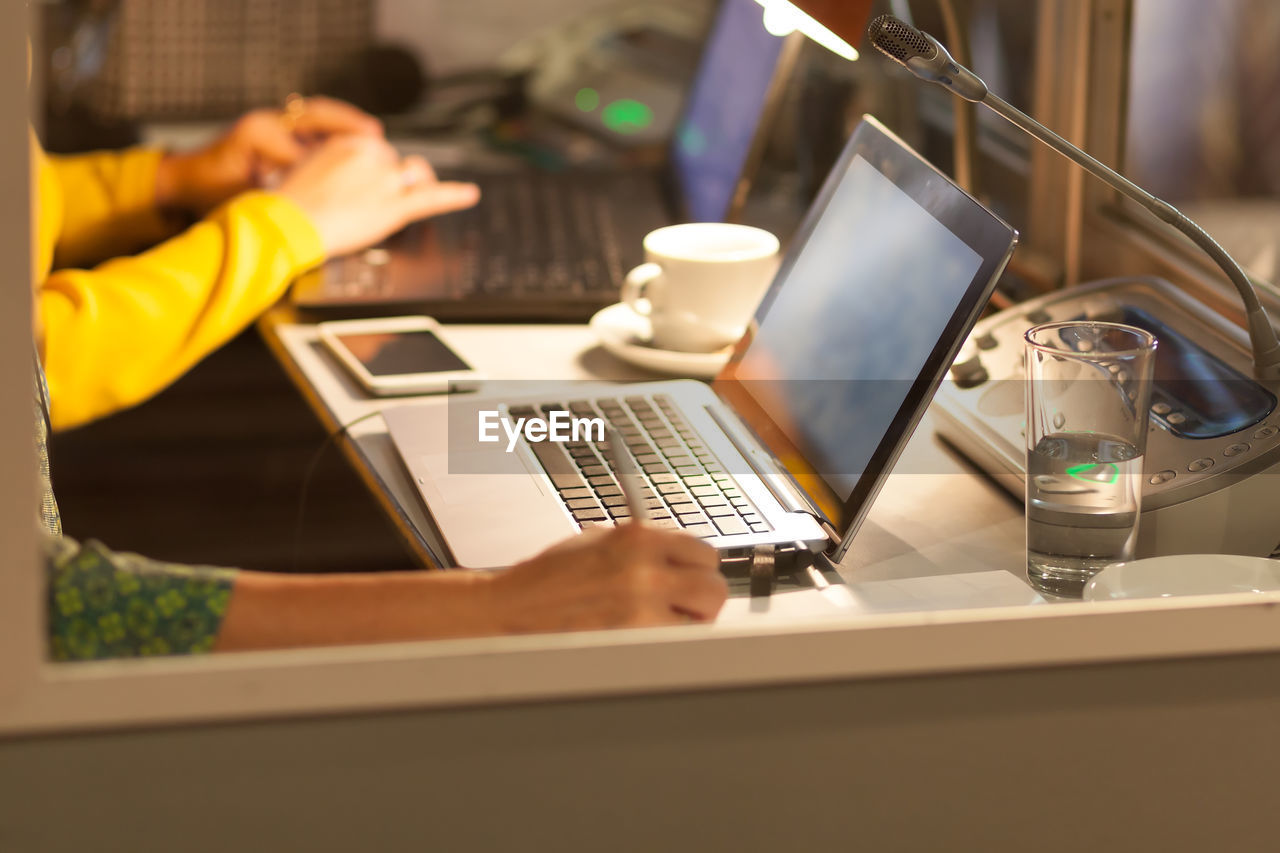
(556, 245)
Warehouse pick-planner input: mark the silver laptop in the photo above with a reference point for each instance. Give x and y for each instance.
(791, 443)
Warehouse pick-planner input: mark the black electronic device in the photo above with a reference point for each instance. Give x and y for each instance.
(1212, 473)
(555, 245)
(393, 356)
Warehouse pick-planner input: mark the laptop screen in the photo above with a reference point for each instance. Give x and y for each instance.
(874, 298)
(724, 109)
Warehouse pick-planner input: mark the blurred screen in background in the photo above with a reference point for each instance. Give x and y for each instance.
(1203, 124)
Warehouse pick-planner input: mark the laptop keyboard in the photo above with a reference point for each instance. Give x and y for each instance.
(540, 235)
(685, 487)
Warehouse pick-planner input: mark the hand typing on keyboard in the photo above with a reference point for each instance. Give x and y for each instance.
(357, 190)
(630, 576)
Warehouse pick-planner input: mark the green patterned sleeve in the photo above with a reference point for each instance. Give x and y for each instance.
(105, 604)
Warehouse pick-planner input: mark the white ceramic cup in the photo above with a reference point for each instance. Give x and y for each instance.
(701, 282)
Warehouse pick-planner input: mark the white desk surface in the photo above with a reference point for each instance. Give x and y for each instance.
(933, 517)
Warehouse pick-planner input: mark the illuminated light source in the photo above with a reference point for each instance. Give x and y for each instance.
(587, 99)
(1095, 472)
(782, 18)
(627, 116)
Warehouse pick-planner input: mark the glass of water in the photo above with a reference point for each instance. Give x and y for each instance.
(1088, 392)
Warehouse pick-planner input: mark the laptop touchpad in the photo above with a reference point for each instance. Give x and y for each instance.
(468, 478)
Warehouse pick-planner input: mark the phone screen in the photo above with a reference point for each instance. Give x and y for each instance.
(393, 353)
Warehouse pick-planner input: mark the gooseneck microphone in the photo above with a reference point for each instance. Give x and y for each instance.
(925, 57)
(922, 55)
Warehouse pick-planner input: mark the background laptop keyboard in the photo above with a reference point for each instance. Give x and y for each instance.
(685, 486)
(539, 246)
(551, 234)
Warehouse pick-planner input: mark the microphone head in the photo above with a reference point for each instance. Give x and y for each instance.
(900, 41)
(924, 56)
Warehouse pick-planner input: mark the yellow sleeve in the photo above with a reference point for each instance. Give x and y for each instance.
(108, 205)
(117, 334)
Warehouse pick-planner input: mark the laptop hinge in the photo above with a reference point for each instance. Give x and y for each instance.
(778, 481)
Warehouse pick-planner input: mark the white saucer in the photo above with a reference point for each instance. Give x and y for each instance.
(624, 333)
(1184, 574)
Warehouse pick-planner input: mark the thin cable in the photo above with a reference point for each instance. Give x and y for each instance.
(965, 142)
(42, 393)
(310, 472)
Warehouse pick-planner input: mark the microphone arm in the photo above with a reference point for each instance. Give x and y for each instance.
(1266, 348)
(895, 38)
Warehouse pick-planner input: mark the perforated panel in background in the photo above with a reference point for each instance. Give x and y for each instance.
(206, 58)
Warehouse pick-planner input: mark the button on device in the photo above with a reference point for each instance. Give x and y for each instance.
(969, 372)
(1161, 408)
(1266, 431)
(1204, 463)
(1236, 450)
(1176, 418)
(1161, 477)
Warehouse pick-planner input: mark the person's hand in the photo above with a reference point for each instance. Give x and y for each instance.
(625, 577)
(259, 147)
(357, 190)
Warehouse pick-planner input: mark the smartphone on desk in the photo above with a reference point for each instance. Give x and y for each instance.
(392, 356)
